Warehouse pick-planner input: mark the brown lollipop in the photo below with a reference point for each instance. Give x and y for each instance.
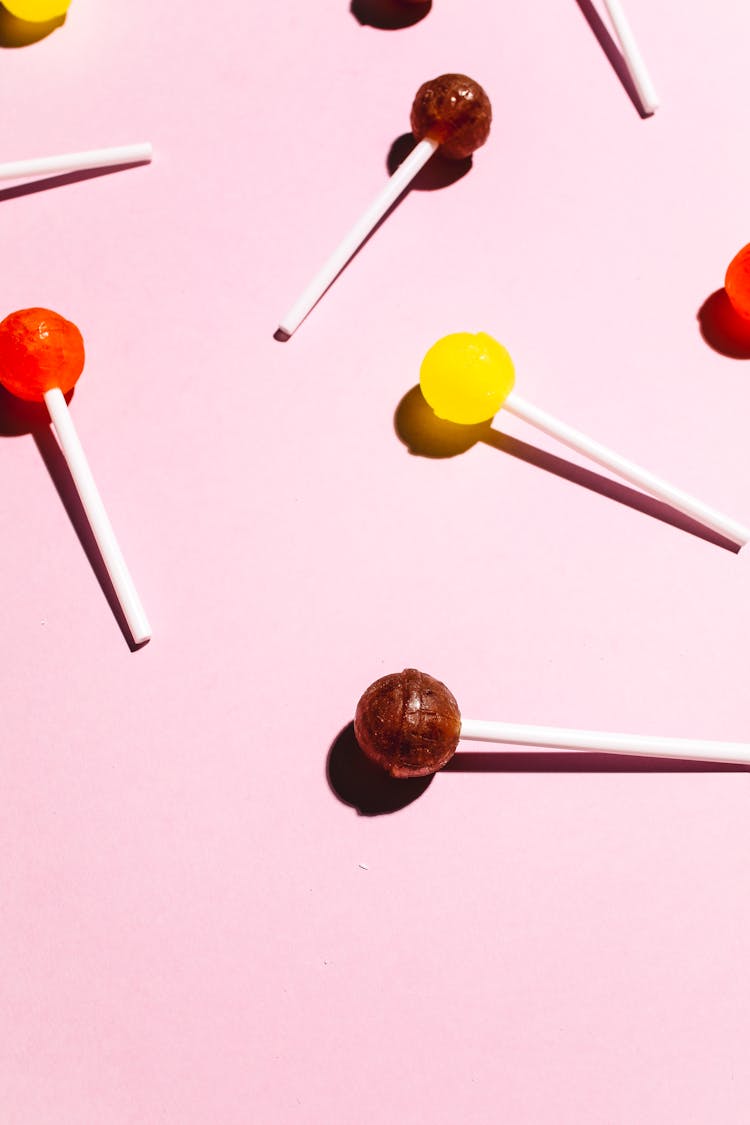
(454, 111)
(409, 724)
(450, 114)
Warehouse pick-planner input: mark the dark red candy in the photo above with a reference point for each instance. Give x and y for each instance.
(409, 723)
(453, 110)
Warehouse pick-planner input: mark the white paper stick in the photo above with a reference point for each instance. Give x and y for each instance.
(76, 161)
(629, 471)
(398, 182)
(98, 519)
(558, 738)
(633, 57)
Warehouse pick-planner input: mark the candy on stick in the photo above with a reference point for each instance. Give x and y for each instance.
(737, 283)
(633, 57)
(41, 359)
(77, 161)
(409, 724)
(452, 113)
(467, 378)
(36, 11)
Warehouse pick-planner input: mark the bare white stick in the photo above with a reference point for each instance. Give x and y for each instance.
(633, 57)
(629, 471)
(559, 738)
(398, 182)
(98, 519)
(77, 161)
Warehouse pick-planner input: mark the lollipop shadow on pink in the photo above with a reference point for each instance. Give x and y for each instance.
(41, 359)
(20, 418)
(438, 173)
(389, 15)
(15, 32)
(426, 435)
(42, 173)
(359, 782)
(626, 60)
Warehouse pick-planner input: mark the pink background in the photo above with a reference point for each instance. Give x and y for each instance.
(195, 926)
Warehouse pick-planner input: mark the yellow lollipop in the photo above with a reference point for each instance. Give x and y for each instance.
(36, 11)
(467, 378)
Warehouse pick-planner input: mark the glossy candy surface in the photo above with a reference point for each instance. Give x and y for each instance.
(39, 350)
(409, 723)
(36, 11)
(466, 377)
(453, 110)
(737, 282)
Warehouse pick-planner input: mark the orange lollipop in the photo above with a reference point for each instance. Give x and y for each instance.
(41, 358)
(39, 350)
(737, 283)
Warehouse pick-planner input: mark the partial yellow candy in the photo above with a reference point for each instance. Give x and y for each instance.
(466, 378)
(36, 11)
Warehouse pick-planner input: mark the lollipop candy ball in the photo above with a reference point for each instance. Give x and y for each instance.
(36, 11)
(39, 350)
(453, 110)
(737, 282)
(409, 723)
(466, 378)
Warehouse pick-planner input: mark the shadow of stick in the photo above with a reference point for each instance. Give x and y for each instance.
(57, 467)
(612, 52)
(578, 761)
(425, 435)
(49, 182)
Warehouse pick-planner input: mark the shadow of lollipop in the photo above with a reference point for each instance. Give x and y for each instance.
(23, 33)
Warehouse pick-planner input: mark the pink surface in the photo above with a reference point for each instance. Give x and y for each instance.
(194, 926)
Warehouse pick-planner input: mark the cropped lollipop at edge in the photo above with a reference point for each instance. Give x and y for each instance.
(737, 283)
(41, 359)
(451, 113)
(467, 378)
(37, 11)
(410, 725)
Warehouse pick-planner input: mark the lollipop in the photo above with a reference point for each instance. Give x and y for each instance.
(37, 11)
(737, 283)
(453, 114)
(77, 161)
(41, 358)
(410, 724)
(467, 378)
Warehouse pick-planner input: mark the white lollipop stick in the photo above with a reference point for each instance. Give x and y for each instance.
(633, 57)
(398, 182)
(97, 516)
(559, 738)
(629, 471)
(76, 161)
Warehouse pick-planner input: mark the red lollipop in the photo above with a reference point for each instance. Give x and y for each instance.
(737, 283)
(39, 350)
(41, 359)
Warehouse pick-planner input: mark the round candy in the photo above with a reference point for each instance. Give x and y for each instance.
(737, 282)
(453, 110)
(36, 11)
(409, 723)
(39, 350)
(466, 378)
